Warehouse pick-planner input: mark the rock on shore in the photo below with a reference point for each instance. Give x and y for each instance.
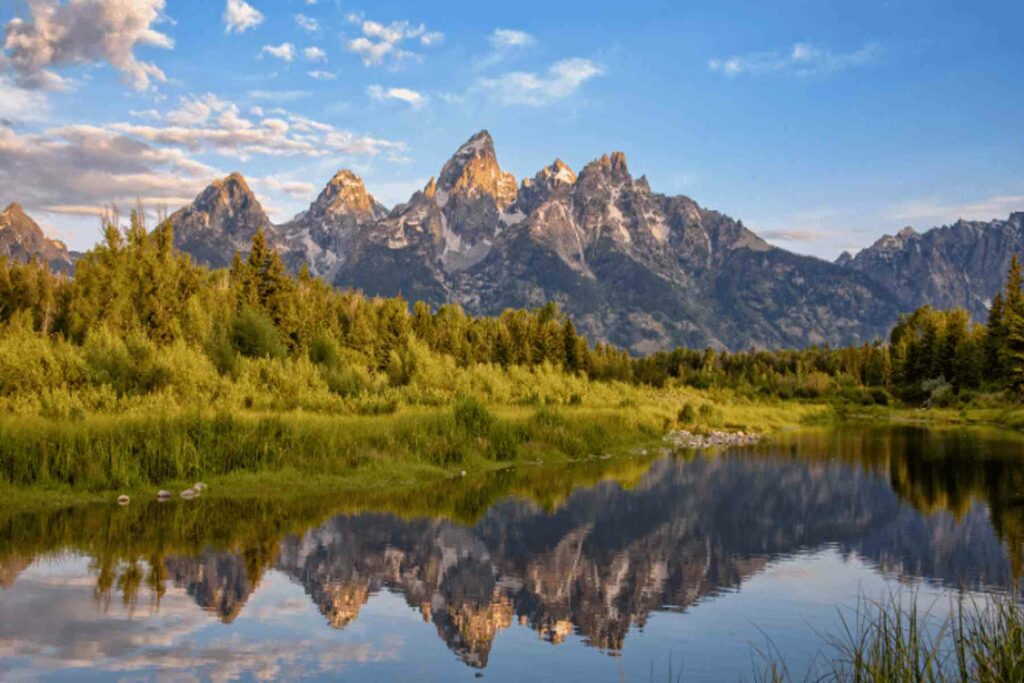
(683, 439)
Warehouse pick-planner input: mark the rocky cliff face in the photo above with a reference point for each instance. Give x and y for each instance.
(634, 267)
(221, 221)
(641, 269)
(22, 240)
(324, 234)
(963, 264)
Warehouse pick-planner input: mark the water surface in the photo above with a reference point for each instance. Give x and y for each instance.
(601, 571)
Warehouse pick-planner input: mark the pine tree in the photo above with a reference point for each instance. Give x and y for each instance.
(571, 344)
(1013, 351)
(995, 338)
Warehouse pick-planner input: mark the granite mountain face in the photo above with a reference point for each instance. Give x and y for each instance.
(640, 269)
(963, 264)
(22, 240)
(221, 220)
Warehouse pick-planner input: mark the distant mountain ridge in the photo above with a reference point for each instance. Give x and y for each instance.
(22, 240)
(963, 264)
(640, 269)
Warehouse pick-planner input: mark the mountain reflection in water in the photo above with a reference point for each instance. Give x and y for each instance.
(528, 547)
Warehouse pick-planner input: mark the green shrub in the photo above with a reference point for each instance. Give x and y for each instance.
(473, 418)
(254, 335)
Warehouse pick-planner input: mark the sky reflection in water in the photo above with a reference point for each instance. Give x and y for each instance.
(698, 558)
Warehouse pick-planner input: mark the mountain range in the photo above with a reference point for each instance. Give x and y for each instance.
(640, 269)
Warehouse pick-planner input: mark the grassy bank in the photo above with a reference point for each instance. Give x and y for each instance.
(267, 452)
(995, 412)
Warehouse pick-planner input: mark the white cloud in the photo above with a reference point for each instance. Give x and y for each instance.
(239, 16)
(17, 104)
(314, 54)
(410, 97)
(804, 59)
(279, 95)
(561, 80)
(321, 75)
(293, 188)
(791, 235)
(504, 38)
(507, 43)
(383, 41)
(284, 51)
(307, 23)
(67, 170)
(431, 38)
(77, 170)
(932, 211)
(209, 123)
(83, 32)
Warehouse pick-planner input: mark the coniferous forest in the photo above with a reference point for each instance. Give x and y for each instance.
(146, 368)
(140, 319)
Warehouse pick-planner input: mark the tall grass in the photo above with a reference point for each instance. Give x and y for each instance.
(106, 452)
(896, 641)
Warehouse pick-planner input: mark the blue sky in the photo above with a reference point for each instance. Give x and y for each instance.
(820, 125)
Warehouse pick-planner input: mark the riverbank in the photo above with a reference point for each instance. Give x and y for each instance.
(280, 454)
(60, 461)
(996, 413)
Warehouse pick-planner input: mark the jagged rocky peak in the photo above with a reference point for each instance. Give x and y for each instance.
(346, 194)
(612, 164)
(232, 190)
(22, 240)
(906, 233)
(221, 220)
(894, 242)
(535, 191)
(474, 170)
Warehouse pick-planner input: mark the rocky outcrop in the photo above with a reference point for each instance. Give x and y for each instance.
(322, 236)
(22, 240)
(963, 264)
(221, 221)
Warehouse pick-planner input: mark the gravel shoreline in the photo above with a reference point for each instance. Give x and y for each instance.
(683, 439)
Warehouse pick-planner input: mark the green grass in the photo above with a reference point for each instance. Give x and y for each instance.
(891, 641)
(65, 460)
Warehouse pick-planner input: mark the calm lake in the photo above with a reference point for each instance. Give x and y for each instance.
(602, 571)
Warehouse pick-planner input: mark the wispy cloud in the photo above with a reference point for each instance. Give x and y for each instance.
(505, 38)
(78, 169)
(804, 59)
(321, 75)
(505, 43)
(307, 23)
(284, 51)
(792, 235)
(60, 34)
(239, 16)
(18, 105)
(410, 97)
(561, 80)
(314, 54)
(279, 96)
(381, 42)
(931, 211)
(295, 189)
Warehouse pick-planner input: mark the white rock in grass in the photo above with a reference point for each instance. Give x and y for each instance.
(163, 495)
(199, 487)
(188, 494)
(123, 500)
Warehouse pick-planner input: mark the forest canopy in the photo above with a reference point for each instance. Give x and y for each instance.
(140, 318)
